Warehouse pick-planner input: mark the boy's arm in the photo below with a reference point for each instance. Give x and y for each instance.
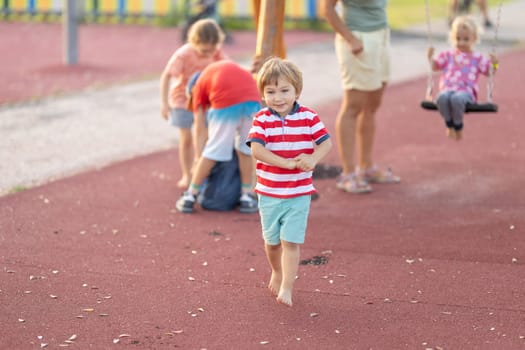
(307, 162)
(262, 154)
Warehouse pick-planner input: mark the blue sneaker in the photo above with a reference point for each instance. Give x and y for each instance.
(185, 203)
(248, 203)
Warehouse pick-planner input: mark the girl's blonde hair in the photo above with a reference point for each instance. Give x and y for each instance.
(205, 31)
(465, 22)
(275, 68)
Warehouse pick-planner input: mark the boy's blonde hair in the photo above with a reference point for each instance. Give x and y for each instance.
(275, 68)
(465, 22)
(205, 31)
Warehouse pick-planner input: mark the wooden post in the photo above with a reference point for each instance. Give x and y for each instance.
(269, 21)
(69, 30)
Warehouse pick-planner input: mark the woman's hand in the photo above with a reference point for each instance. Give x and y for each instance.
(356, 46)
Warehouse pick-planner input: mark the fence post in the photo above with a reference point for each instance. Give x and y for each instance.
(5, 9)
(270, 29)
(69, 30)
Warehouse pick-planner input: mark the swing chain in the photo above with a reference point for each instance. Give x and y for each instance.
(430, 80)
(490, 85)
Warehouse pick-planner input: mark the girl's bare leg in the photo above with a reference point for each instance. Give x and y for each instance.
(290, 266)
(185, 157)
(273, 254)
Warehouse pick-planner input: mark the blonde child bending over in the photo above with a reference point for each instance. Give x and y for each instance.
(287, 141)
(461, 67)
(203, 47)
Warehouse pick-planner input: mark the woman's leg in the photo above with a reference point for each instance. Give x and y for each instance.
(366, 127)
(453, 7)
(345, 128)
(483, 9)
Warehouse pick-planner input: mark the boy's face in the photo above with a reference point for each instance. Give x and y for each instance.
(280, 96)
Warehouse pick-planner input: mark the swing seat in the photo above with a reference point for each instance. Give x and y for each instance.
(471, 107)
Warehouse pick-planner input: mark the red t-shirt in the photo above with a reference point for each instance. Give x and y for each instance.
(223, 84)
(287, 137)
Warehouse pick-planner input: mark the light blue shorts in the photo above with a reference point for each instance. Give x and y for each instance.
(181, 118)
(228, 128)
(284, 219)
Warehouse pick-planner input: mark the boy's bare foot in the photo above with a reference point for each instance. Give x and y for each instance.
(285, 297)
(459, 135)
(451, 133)
(183, 183)
(275, 283)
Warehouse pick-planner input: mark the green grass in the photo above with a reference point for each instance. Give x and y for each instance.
(403, 13)
(18, 188)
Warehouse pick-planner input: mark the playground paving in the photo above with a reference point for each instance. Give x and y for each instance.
(94, 256)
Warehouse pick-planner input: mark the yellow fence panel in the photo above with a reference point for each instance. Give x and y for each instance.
(295, 9)
(43, 5)
(19, 5)
(236, 8)
(134, 7)
(108, 6)
(162, 7)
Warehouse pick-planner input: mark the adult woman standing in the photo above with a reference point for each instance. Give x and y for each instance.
(362, 45)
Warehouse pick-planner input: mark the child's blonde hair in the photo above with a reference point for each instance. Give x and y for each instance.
(205, 31)
(465, 22)
(275, 68)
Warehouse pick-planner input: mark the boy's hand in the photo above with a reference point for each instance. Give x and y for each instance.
(291, 164)
(305, 162)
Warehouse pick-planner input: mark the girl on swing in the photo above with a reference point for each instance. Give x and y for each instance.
(461, 67)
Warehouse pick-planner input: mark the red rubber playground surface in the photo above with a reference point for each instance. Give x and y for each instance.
(101, 260)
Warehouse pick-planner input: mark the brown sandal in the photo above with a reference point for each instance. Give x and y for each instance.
(353, 184)
(374, 175)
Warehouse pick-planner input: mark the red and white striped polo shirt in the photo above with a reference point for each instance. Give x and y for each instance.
(287, 137)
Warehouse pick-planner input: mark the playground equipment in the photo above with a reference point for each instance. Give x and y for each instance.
(489, 106)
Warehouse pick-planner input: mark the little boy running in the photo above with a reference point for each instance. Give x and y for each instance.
(287, 140)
